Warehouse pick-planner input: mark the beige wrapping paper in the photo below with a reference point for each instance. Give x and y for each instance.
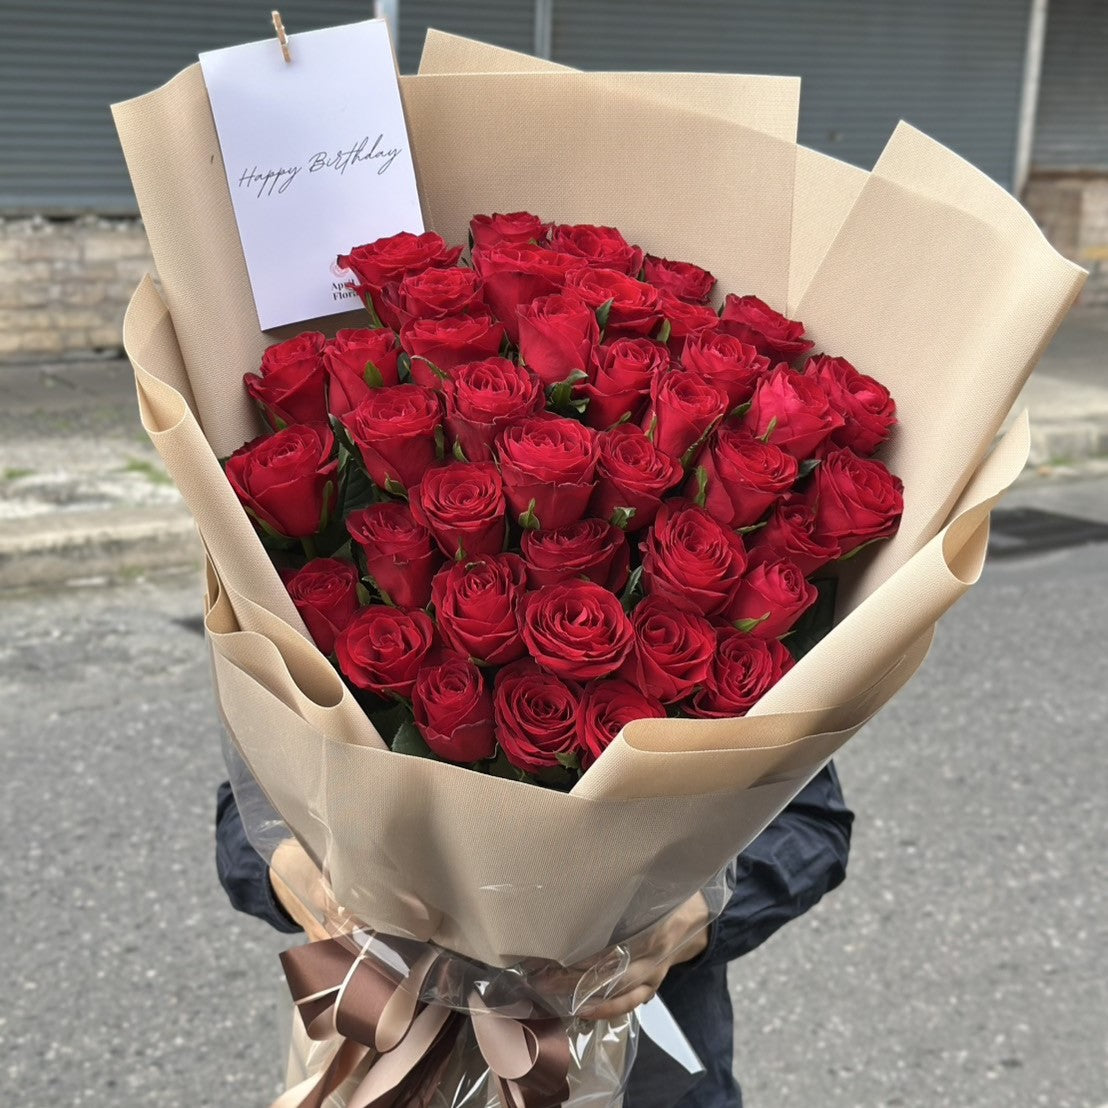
(923, 273)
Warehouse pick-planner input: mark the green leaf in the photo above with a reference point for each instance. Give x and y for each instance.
(560, 396)
(358, 489)
(806, 467)
(408, 740)
(602, 314)
(569, 759)
(501, 767)
(770, 428)
(372, 376)
(394, 487)
(528, 520)
(701, 497)
(364, 595)
(629, 597)
(621, 517)
(664, 331)
(816, 621)
(459, 453)
(748, 625)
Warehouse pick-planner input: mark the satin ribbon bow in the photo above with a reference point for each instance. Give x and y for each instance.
(346, 995)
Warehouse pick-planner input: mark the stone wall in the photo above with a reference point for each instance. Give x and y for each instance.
(64, 285)
(1072, 210)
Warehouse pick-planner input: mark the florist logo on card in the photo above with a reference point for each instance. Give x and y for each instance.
(267, 182)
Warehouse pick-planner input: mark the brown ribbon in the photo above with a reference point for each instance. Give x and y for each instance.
(346, 995)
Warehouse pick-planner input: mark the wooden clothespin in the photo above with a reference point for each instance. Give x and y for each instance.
(282, 38)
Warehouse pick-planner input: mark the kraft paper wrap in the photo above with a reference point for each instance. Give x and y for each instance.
(924, 273)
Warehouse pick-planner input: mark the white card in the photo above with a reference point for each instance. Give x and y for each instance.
(317, 159)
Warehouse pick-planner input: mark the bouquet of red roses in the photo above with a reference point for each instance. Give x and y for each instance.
(556, 492)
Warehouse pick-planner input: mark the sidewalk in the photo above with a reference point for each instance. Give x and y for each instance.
(84, 496)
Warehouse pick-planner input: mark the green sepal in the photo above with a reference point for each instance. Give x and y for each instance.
(664, 331)
(739, 410)
(653, 426)
(629, 598)
(394, 488)
(440, 442)
(561, 395)
(748, 625)
(528, 520)
(621, 517)
(602, 314)
(770, 428)
(751, 527)
(459, 453)
(325, 511)
(372, 376)
(460, 554)
(408, 740)
(807, 467)
(375, 323)
(404, 367)
(569, 759)
(434, 368)
(701, 497)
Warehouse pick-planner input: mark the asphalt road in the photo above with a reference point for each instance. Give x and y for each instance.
(962, 964)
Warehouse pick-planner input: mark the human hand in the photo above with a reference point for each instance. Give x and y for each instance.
(680, 937)
(299, 886)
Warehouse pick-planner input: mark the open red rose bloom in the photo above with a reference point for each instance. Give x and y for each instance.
(549, 490)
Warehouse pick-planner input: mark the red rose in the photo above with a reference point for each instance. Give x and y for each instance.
(482, 398)
(792, 411)
(356, 362)
(789, 534)
(686, 321)
(291, 386)
(589, 548)
(287, 481)
(744, 670)
(476, 604)
(756, 323)
(683, 409)
(389, 260)
(725, 361)
(606, 708)
(382, 649)
(549, 467)
(682, 280)
(557, 335)
(634, 310)
(855, 500)
(673, 650)
(399, 553)
(394, 430)
(462, 504)
(536, 717)
(770, 599)
(325, 593)
(631, 472)
(621, 373)
(744, 476)
(435, 294)
(452, 706)
(447, 343)
(603, 247)
(516, 275)
(690, 560)
(514, 228)
(576, 629)
(867, 408)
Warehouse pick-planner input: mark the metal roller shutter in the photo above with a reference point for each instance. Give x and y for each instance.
(500, 22)
(954, 69)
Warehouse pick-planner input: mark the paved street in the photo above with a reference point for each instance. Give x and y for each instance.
(962, 963)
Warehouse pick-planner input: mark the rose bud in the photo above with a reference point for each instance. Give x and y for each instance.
(789, 534)
(482, 398)
(399, 553)
(557, 335)
(291, 386)
(682, 280)
(866, 406)
(621, 373)
(577, 629)
(382, 649)
(771, 597)
(435, 294)
(511, 229)
(388, 260)
(325, 593)
(536, 717)
(686, 321)
(462, 505)
(691, 561)
(727, 362)
(855, 501)
(755, 322)
(792, 411)
(549, 467)
(452, 706)
(476, 603)
(744, 477)
(287, 481)
(516, 275)
(602, 247)
(744, 670)
(449, 342)
(673, 650)
(589, 548)
(356, 362)
(631, 472)
(606, 708)
(634, 311)
(683, 409)
(394, 430)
